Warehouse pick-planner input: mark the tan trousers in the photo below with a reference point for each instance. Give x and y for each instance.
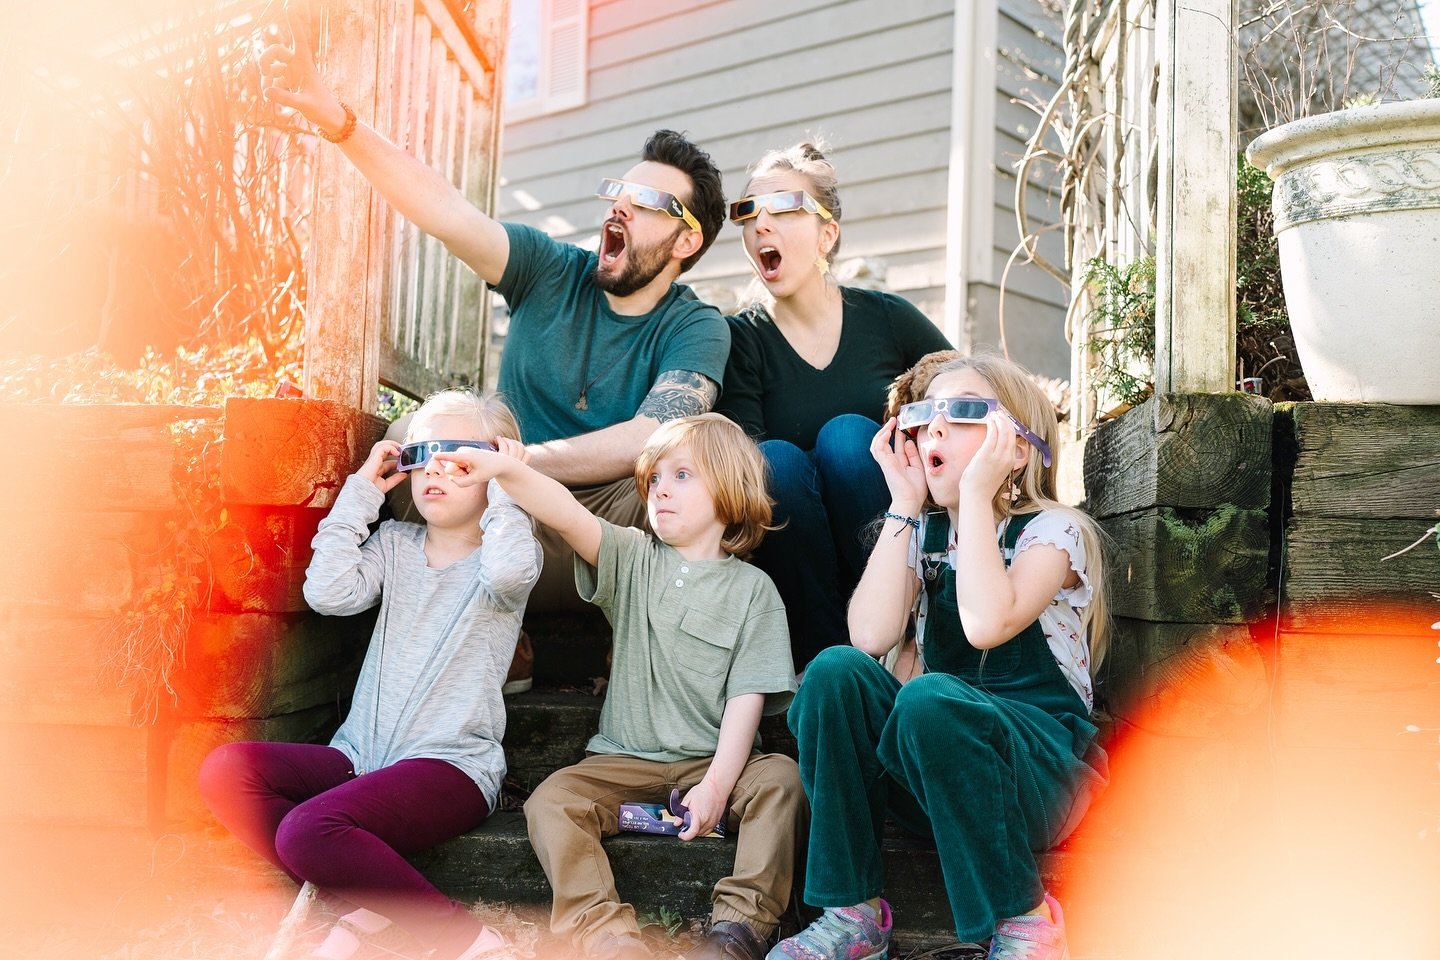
(576, 806)
(616, 501)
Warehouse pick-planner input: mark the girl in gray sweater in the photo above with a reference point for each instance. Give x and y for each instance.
(418, 760)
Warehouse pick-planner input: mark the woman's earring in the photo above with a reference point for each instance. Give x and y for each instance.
(822, 264)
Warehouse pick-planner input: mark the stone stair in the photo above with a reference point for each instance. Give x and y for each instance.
(547, 729)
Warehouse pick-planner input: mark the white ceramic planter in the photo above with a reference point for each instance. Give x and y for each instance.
(1357, 216)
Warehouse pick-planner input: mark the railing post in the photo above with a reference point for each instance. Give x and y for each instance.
(1195, 242)
(342, 324)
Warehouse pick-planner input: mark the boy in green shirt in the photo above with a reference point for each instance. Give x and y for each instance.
(701, 652)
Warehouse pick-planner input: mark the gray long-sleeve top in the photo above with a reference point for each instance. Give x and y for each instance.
(430, 684)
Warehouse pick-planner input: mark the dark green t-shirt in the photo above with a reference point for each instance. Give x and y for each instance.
(556, 310)
(773, 393)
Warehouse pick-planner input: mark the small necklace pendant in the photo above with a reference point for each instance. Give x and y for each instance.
(582, 403)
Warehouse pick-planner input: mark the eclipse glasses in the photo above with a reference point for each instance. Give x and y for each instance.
(649, 198)
(787, 201)
(414, 456)
(913, 416)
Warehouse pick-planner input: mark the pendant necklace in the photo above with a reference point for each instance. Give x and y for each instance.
(587, 381)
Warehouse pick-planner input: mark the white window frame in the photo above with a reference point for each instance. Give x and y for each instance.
(563, 62)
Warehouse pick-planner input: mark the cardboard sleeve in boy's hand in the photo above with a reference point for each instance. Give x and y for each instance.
(656, 818)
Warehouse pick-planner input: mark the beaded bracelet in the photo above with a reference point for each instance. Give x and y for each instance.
(907, 521)
(347, 130)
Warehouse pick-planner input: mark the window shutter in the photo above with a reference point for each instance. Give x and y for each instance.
(567, 34)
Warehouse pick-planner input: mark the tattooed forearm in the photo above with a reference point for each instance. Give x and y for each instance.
(679, 393)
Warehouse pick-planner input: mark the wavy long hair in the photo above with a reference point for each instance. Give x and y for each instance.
(1023, 398)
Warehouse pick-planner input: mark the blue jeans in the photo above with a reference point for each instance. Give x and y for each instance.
(827, 498)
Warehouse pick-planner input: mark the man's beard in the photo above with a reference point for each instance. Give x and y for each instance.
(642, 265)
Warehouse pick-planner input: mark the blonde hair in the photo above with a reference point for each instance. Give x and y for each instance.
(730, 465)
(1022, 397)
(808, 160)
(489, 412)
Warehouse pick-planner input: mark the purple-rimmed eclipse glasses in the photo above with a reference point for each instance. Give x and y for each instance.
(915, 415)
(414, 456)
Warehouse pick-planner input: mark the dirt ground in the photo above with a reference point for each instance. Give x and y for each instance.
(114, 894)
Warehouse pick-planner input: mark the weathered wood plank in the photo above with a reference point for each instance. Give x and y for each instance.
(258, 559)
(74, 773)
(293, 452)
(1365, 459)
(342, 307)
(1357, 691)
(1194, 567)
(1179, 678)
(240, 666)
(51, 672)
(192, 740)
(110, 456)
(85, 564)
(1334, 577)
(1181, 450)
(1195, 233)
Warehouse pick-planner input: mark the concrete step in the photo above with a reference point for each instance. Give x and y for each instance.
(496, 863)
(660, 872)
(570, 648)
(547, 729)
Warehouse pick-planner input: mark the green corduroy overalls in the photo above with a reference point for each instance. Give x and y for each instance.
(991, 753)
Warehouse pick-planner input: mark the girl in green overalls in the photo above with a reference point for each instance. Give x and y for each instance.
(984, 739)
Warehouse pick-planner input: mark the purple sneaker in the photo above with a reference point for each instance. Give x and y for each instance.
(1031, 937)
(844, 933)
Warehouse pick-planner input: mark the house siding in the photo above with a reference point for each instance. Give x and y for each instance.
(873, 78)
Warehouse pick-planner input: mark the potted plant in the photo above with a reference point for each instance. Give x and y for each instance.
(1357, 217)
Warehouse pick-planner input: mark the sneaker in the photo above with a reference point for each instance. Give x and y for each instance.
(846, 933)
(1031, 937)
(489, 945)
(729, 940)
(357, 929)
(522, 667)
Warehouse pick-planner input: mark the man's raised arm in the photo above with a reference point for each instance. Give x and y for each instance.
(418, 192)
(609, 454)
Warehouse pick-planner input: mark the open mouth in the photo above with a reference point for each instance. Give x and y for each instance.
(612, 243)
(935, 462)
(769, 259)
(433, 491)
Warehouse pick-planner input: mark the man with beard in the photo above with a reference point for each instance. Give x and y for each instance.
(603, 347)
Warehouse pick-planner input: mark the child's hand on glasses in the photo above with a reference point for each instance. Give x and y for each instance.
(513, 449)
(994, 459)
(706, 808)
(899, 460)
(379, 467)
(469, 466)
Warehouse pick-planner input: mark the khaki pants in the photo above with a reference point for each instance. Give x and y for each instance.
(575, 807)
(616, 501)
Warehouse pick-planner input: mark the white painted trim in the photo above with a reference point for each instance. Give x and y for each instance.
(972, 94)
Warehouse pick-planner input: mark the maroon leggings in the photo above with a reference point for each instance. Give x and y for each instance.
(300, 806)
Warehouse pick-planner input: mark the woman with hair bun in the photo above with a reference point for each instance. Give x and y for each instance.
(809, 368)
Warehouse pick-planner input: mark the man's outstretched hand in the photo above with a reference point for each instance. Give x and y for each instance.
(291, 78)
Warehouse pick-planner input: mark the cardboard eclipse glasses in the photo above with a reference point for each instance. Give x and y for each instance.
(649, 198)
(786, 201)
(414, 456)
(913, 416)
